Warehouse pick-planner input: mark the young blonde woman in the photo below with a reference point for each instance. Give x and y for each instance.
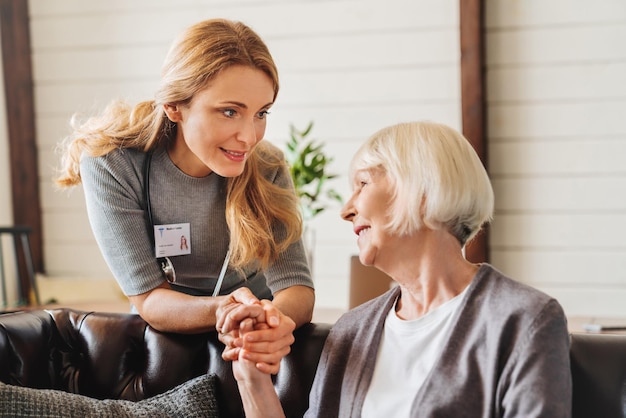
(192, 162)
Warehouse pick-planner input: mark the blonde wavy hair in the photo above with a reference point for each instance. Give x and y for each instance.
(263, 218)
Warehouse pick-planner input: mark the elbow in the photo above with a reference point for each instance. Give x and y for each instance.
(310, 305)
(149, 308)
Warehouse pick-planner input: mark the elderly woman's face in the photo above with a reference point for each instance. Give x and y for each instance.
(367, 209)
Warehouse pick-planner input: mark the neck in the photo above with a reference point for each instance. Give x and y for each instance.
(185, 160)
(436, 273)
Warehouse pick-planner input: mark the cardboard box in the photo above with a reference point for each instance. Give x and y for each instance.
(366, 282)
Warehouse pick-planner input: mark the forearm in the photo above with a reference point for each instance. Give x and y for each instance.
(260, 399)
(171, 311)
(257, 391)
(296, 302)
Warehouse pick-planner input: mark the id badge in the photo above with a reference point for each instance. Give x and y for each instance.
(172, 239)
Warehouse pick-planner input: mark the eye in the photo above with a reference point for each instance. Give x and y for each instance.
(229, 113)
(359, 184)
(262, 114)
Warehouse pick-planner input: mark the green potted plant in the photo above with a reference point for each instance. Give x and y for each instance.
(308, 167)
(308, 163)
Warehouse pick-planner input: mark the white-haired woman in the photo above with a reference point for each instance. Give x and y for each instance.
(453, 339)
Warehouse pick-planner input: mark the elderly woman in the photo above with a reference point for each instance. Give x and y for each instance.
(453, 339)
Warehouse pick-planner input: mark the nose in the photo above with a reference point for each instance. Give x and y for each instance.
(249, 133)
(348, 212)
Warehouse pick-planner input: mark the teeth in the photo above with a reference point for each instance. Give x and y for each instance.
(238, 154)
(363, 231)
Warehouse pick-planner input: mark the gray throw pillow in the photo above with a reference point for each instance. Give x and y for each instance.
(194, 398)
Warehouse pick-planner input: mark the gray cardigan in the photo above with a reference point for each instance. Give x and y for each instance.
(507, 356)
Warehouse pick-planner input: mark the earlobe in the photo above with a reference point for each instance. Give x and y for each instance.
(172, 111)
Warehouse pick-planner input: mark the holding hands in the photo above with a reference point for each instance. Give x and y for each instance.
(254, 330)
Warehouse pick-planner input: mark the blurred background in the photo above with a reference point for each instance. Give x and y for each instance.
(555, 120)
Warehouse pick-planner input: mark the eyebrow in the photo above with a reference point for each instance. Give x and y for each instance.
(243, 105)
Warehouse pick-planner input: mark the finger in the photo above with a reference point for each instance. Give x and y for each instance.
(231, 340)
(245, 326)
(269, 347)
(268, 368)
(235, 316)
(231, 354)
(270, 359)
(261, 326)
(265, 334)
(222, 313)
(228, 339)
(245, 296)
(231, 316)
(272, 314)
(232, 350)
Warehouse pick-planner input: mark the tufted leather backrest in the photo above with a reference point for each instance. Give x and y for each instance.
(118, 356)
(599, 375)
(110, 355)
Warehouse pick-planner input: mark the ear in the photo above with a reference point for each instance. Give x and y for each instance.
(173, 112)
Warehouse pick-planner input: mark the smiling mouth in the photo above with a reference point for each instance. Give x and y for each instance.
(362, 231)
(235, 156)
(234, 153)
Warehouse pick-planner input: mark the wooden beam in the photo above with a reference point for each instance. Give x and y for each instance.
(20, 112)
(473, 108)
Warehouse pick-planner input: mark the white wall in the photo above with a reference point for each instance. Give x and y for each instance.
(351, 66)
(556, 76)
(556, 97)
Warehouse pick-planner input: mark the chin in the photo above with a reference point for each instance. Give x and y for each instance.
(366, 259)
(229, 171)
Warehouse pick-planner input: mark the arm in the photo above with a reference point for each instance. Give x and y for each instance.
(297, 303)
(171, 311)
(257, 391)
(538, 379)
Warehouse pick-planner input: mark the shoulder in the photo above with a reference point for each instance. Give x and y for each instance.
(118, 168)
(115, 161)
(367, 314)
(497, 297)
(490, 281)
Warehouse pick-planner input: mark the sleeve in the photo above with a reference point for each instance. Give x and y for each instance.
(537, 380)
(114, 199)
(291, 268)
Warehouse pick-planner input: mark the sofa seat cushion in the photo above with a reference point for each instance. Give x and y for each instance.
(194, 398)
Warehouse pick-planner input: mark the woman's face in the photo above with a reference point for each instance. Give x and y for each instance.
(367, 209)
(222, 123)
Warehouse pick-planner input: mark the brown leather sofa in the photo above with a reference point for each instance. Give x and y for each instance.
(117, 356)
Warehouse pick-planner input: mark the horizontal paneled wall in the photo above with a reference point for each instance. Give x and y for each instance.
(556, 77)
(556, 126)
(352, 67)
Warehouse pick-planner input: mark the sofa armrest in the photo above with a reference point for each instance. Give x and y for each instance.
(27, 341)
(598, 363)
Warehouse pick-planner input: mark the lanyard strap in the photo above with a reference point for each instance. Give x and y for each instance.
(218, 286)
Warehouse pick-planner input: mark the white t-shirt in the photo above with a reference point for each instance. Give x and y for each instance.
(408, 351)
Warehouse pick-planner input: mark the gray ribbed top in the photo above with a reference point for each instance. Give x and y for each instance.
(114, 194)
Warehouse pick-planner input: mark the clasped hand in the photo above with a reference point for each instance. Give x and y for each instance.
(254, 330)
